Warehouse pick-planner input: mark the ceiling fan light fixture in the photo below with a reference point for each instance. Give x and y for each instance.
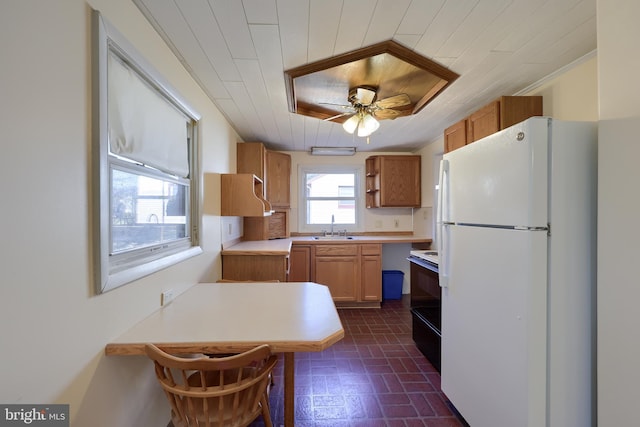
(351, 124)
(368, 125)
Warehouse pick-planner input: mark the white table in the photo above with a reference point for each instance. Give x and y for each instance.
(235, 317)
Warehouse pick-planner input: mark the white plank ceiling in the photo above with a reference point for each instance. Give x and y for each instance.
(238, 51)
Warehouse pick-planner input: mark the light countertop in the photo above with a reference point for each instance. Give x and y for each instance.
(260, 247)
(279, 247)
(367, 238)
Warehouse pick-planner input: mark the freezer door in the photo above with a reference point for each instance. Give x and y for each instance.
(494, 325)
(500, 179)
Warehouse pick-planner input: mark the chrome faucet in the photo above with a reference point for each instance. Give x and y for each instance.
(332, 222)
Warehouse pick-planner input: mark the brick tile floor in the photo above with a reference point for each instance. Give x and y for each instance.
(374, 377)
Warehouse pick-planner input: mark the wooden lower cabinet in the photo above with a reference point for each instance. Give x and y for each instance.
(255, 267)
(300, 264)
(353, 273)
(340, 274)
(371, 268)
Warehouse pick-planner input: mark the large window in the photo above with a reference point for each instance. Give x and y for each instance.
(330, 195)
(145, 166)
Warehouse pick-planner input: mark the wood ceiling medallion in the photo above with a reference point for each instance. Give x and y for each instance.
(321, 89)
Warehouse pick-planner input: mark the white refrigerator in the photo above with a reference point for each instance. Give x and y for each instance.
(516, 228)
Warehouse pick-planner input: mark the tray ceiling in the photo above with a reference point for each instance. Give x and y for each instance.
(321, 89)
(238, 51)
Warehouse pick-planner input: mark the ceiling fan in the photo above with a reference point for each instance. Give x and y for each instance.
(365, 111)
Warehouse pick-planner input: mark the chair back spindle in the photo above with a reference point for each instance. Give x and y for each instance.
(215, 392)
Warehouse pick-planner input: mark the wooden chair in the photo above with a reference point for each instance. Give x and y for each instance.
(216, 392)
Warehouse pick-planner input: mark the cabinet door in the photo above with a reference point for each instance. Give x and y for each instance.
(483, 122)
(400, 181)
(340, 274)
(300, 268)
(514, 109)
(251, 158)
(455, 136)
(255, 267)
(278, 179)
(371, 266)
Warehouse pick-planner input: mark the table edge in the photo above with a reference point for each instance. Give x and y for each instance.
(137, 348)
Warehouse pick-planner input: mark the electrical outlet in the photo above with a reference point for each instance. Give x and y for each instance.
(378, 224)
(230, 229)
(396, 223)
(166, 297)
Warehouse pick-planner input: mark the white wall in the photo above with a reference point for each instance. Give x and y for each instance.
(571, 93)
(619, 204)
(425, 216)
(53, 327)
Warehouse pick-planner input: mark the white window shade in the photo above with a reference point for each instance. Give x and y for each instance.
(143, 126)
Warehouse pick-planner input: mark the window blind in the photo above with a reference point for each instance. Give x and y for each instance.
(143, 125)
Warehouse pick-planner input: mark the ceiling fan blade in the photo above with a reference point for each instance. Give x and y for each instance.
(336, 105)
(386, 114)
(328, 119)
(394, 101)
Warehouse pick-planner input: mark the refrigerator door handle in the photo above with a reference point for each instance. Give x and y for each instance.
(441, 234)
(442, 187)
(443, 254)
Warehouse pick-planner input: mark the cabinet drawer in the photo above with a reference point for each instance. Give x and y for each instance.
(371, 249)
(337, 250)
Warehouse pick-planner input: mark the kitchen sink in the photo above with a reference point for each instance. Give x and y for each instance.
(332, 237)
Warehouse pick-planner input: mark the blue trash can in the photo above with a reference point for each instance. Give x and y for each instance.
(392, 284)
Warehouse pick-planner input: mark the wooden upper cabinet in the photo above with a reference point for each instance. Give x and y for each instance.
(278, 179)
(242, 195)
(514, 109)
(455, 136)
(393, 181)
(500, 114)
(483, 122)
(251, 158)
(372, 182)
(274, 168)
